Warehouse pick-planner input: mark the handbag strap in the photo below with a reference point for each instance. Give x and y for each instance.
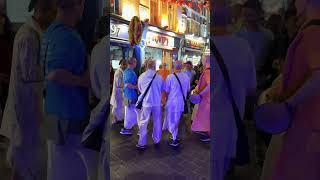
(224, 70)
(180, 86)
(147, 90)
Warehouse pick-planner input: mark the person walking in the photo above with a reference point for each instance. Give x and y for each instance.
(243, 84)
(66, 100)
(130, 80)
(98, 166)
(298, 92)
(151, 104)
(201, 121)
(177, 86)
(117, 100)
(23, 118)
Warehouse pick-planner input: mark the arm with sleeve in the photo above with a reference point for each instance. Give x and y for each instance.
(312, 86)
(60, 62)
(28, 53)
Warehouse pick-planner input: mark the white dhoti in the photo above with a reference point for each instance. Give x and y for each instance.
(143, 120)
(130, 117)
(71, 161)
(118, 113)
(171, 122)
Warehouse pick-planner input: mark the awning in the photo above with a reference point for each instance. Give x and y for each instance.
(119, 41)
(194, 50)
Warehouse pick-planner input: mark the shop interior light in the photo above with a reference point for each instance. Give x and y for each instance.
(128, 11)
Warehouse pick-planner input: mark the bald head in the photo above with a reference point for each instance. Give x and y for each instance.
(151, 64)
(178, 65)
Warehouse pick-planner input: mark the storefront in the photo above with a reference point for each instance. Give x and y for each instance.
(119, 43)
(161, 46)
(193, 49)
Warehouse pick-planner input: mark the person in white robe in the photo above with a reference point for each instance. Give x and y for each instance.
(23, 118)
(117, 99)
(151, 104)
(99, 168)
(239, 60)
(175, 101)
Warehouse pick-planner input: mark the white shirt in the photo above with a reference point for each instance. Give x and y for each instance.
(99, 75)
(175, 101)
(240, 63)
(24, 108)
(154, 96)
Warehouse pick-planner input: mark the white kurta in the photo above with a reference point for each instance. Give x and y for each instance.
(175, 101)
(23, 114)
(117, 99)
(99, 74)
(239, 60)
(151, 105)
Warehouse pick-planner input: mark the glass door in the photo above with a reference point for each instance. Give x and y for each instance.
(167, 58)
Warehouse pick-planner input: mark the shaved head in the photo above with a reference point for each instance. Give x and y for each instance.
(151, 64)
(178, 65)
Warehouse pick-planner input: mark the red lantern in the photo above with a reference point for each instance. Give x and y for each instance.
(190, 4)
(200, 6)
(180, 2)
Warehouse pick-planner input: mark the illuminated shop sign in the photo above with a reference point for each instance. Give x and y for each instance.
(159, 41)
(194, 43)
(119, 31)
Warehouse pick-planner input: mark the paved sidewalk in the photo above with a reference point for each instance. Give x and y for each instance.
(191, 161)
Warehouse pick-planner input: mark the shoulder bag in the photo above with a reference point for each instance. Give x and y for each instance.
(186, 109)
(139, 104)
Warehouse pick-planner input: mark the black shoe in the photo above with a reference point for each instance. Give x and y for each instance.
(174, 143)
(125, 131)
(205, 139)
(176, 138)
(141, 147)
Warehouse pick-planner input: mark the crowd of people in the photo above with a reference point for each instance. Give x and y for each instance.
(168, 91)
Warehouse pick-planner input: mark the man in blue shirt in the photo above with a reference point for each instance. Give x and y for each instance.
(130, 81)
(66, 90)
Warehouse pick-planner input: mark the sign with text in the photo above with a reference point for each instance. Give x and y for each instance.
(194, 43)
(119, 31)
(159, 41)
